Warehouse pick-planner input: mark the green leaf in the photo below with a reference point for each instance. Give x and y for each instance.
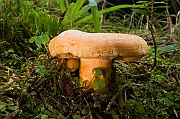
(46, 33)
(114, 115)
(82, 11)
(62, 6)
(68, 15)
(77, 6)
(44, 117)
(40, 69)
(75, 10)
(76, 117)
(84, 117)
(38, 42)
(13, 107)
(95, 15)
(3, 106)
(11, 50)
(92, 3)
(169, 48)
(98, 83)
(43, 39)
(97, 72)
(32, 39)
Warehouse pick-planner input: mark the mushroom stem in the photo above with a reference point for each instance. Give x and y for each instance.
(86, 67)
(73, 64)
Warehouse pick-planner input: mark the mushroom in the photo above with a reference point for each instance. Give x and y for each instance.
(73, 64)
(96, 50)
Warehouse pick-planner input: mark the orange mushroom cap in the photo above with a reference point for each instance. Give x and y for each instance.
(75, 43)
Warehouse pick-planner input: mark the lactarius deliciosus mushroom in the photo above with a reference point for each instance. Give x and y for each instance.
(96, 50)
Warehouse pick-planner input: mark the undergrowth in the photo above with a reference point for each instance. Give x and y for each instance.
(35, 85)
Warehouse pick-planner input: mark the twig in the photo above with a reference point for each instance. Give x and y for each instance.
(90, 113)
(13, 115)
(152, 33)
(5, 90)
(16, 76)
(55, 84)
(170, 22)
(57, 102)
(176, 113)
(125, 95)
(132, 20)
(134, 84)
(97, 115)
(103, 6)
(112, 100)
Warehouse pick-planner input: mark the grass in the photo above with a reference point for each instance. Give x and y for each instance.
(35, 85)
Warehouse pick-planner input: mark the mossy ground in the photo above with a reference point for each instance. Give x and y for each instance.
(41, 87)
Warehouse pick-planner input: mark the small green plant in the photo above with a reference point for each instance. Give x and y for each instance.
(6, 107)
(78, 117)
(72, 11)
(98, 82)
(42, 39)
(44, 117)
(19, 22)
(169, 48)
(40, 69)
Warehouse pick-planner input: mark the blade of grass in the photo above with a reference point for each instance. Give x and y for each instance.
(62, 7)
(68, 16)
(67, 3)
(77, 7)
(109, 10)
(95, 15)
(83, 10)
